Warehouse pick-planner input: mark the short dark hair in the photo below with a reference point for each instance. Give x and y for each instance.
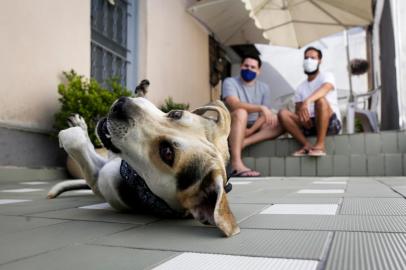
(252, 56)
(319, 53)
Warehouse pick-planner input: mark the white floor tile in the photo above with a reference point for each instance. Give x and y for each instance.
(330, 182)
(200, 261)
(34, 183)
(22, 190)
(241, 182)
(320, 191)
(97, 206)
(301, 209)
(13, 201)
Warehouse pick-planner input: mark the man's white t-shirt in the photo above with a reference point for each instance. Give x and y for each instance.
(306, 88)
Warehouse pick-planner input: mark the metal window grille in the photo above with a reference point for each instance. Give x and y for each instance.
(109, 51)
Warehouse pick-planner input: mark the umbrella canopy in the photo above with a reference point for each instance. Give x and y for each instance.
(292, 23)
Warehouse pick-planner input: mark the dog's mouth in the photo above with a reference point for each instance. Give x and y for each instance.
(104, 135)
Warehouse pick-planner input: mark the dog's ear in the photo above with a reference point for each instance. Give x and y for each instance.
(218, 113)
(207, 202)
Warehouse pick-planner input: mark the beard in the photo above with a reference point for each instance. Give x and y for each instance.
(311, 73)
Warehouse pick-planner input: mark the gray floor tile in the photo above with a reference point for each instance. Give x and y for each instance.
(373, 143)
(12, 224)
(325, 166)
(308, 166)
(342, 145)
(327, 223)
(277, 166)
(292, 166)
(98, 215)
(367, 251)
(33, 242)
(376, 165)
(45, 205)
(266, 243)
(93, 257)
(393, 164)
(389, 142)
(357, 144)
(358, 165)
(374, 206)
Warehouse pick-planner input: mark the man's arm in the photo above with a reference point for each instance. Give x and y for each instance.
(302, 107)
(234, 103)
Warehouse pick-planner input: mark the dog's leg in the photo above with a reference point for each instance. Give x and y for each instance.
(68, 185)
(77, 144)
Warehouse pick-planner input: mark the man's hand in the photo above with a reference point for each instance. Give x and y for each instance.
(270, 118)
(304, 115)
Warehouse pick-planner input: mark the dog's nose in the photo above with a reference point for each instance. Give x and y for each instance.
(118, 110)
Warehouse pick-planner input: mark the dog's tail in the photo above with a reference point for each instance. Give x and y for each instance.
(68, 185)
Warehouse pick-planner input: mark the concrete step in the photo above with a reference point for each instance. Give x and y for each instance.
(12, 173)
(331, 165)
(360, 144)
(364, 154)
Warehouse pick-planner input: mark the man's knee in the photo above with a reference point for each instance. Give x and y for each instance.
(239, 115)
(321, 103)
(283, 114)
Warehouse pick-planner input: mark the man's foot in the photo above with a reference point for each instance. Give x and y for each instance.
(301, 152)
(245, 173)
(317, 152)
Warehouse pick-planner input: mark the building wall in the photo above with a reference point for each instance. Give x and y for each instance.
(40, 39)
(399, 21)
(173, 53)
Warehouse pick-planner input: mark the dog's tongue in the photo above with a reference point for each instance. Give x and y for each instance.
(104, 135)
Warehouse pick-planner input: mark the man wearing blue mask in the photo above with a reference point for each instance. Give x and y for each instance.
(252, 120)
(317, 112)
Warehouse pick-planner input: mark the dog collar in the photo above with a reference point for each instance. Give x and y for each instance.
(136, 194)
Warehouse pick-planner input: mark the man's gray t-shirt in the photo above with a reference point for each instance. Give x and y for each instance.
(258, 94)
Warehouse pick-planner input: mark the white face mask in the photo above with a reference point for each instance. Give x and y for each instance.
(310, 65)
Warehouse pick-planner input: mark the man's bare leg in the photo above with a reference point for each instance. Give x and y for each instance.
(238, 126)
(291, 123)
(266, 132)
(323, 113)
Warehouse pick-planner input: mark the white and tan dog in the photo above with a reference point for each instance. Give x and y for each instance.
(167, 164)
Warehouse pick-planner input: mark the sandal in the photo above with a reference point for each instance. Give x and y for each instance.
(301, 152)
(314, 152)
(246, 173)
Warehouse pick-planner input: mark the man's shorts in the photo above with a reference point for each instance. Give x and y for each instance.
(334, 126)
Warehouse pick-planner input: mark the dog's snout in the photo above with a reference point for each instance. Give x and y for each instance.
(118, 109)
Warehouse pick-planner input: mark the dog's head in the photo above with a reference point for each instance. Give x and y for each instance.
(181, 155)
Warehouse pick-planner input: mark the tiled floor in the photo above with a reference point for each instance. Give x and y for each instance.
(286, 223)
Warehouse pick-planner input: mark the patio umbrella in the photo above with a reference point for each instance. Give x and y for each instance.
(292, 23)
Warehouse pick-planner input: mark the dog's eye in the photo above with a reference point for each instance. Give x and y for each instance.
(175, 114)
(166, 152)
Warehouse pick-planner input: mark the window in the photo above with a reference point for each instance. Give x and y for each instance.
(112, 40)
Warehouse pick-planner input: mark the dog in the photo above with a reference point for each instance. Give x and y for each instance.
(172, 165)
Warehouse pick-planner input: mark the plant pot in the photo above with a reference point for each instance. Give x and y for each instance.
(73, 168)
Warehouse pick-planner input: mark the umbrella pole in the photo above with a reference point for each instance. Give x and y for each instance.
(347, 45)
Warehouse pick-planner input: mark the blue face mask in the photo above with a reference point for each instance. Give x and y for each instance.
(248, 75)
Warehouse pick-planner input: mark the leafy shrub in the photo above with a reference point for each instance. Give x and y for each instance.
(87, 98)
(170, 105)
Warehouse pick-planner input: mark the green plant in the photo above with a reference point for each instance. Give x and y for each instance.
(87, 98)
(170, 105)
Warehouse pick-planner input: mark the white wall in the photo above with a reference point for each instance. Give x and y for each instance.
(399, 23)
(174, 53)
(40, 39)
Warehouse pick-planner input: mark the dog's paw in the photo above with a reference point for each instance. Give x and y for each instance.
(73, 138)
(77, 121)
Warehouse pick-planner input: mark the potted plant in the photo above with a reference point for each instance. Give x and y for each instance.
(170, 105)
(88, 98)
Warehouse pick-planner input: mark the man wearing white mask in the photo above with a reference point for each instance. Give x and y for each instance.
(317, 112)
